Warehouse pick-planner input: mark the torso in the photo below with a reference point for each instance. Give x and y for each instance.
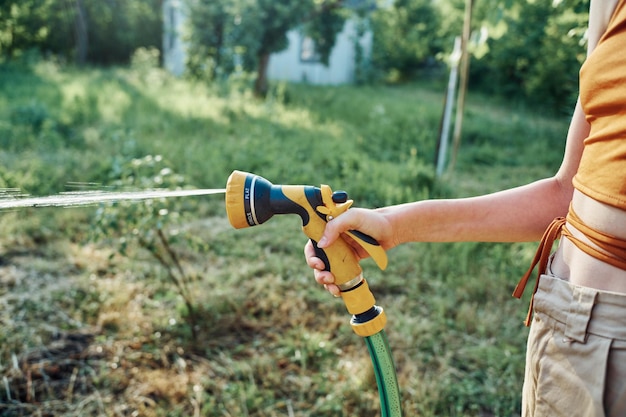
(600, 196)
(572, 264)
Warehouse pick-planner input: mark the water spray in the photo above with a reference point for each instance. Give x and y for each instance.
(252, 200)
(85, 198)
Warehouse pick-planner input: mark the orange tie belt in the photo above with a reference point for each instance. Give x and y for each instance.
(612, 250)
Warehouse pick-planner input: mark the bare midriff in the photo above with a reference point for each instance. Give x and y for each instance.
(580, 268)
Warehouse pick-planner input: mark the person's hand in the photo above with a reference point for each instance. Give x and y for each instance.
(370, 222)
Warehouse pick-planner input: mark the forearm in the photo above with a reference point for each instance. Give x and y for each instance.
(515, 215)
(518, 214)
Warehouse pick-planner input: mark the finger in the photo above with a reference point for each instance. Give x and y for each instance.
(315, 263)
(323, 277)
(333, 289)
(311, 257)
(340, 224)
(309, 250)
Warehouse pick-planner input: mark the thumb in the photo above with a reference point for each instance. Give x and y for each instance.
(335, 228)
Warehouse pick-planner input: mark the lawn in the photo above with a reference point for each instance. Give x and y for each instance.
(160, 308)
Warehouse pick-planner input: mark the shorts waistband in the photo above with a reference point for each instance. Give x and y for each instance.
(582, 310)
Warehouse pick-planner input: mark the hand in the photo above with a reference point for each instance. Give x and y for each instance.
(370, 222)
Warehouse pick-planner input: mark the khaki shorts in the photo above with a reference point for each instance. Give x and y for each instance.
(576, 358)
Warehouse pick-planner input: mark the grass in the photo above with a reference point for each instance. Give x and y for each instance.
(85, 330)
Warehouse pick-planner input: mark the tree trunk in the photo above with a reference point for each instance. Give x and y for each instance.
(80, 30)
(219, 34)
(261, 85)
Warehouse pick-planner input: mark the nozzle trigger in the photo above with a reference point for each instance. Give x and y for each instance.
(331, 209)
(371, 246)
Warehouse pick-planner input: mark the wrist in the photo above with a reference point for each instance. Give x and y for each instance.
(391, 223)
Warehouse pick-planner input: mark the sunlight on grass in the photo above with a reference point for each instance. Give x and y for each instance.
(191, 100)
(113, 103)
(268, 341)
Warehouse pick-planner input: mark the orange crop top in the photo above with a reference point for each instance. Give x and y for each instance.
(601, 174)
(602, 171)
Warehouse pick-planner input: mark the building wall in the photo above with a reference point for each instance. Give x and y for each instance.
(289, 64)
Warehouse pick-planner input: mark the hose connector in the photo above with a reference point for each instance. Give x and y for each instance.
(368, 318)
(370, 322)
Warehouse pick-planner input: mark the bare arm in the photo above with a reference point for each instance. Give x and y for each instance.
(600, 12)
(517, 214)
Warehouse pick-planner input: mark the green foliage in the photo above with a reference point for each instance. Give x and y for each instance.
(144, 59)
(536, 53)
(108, 31)
(522, 50)
(18, 21)
(117, 28)
(323, 26)
(220, 31)
(140, 220)
(406, 37)
(208, 54)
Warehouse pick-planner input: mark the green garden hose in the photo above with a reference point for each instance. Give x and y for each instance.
(385, 372)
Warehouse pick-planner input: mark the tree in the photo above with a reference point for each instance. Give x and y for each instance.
(254, 29)
(535, 50)
(405, 37)
(22, 25)
(96, 31)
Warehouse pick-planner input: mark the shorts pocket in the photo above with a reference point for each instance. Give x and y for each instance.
(570, 375)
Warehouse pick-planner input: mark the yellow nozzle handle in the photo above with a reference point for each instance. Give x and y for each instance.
(252, 200)
(371, 246)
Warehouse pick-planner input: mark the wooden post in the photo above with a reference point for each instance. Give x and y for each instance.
(460, 106)
(442, 149)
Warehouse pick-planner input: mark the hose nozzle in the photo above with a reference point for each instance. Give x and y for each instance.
(252, 200)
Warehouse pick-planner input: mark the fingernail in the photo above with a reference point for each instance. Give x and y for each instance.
(322, 242)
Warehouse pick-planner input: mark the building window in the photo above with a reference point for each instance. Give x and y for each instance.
(308, 51)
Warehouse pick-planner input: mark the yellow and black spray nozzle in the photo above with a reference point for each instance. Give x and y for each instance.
(252, 200)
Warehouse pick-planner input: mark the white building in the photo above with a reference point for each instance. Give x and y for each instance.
(300, 63)
(297, 63)
(174, 48)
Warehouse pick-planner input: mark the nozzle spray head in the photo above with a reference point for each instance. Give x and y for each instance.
(252, 200)
(247, 195)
